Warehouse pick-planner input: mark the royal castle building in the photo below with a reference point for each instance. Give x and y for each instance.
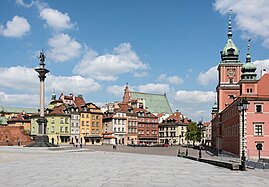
(237, 81)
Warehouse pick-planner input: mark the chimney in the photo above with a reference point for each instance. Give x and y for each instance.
(263, 71)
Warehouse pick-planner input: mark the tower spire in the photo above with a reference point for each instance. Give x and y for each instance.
(248, 58)
(230, 33)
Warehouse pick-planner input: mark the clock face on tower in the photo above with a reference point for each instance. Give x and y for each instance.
(230, 72)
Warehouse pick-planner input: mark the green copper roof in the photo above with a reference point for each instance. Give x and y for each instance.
(155, 103)
(230, 52)
(3, 120)
(17, 110)
(249, 66)
(230, 45)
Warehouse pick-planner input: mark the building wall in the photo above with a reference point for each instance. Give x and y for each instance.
(132, 130)
(10, 136)
(58, 128)
(253, 119)
(75, 128)
(147, 130)
(120, 128)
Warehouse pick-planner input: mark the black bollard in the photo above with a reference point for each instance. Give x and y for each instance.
(187, 151)
(178, 153)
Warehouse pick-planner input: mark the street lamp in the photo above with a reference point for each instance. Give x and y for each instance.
(242, 107)
(200, 126)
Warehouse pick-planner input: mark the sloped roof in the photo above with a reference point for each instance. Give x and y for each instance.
(149, 114)
(17, 110)
(156, 103)
(59, 110)
(20, 117)
(176, 118)
(79, 101)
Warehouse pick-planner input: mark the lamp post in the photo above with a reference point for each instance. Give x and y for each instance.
(200, 126)
(242, 107)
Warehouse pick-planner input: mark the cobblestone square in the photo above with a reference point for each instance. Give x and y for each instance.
(21, 166)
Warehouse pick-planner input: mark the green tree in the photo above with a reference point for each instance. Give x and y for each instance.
(194, 133)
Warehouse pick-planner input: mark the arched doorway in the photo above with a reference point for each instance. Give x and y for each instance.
(52, 140)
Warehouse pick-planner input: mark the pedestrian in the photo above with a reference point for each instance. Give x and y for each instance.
(19, 142)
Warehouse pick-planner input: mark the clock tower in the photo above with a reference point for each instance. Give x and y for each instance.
(229, 71)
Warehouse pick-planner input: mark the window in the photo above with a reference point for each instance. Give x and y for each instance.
(97, 131)
(93, 117)
(82, 123)
(82, 130)
(52, 120)
(52, 128)
(82, 115)
(122, 129)
(66, 120)
(66, 129)
(258, 130)
(97, 117)
(115, 129)
(62, 121)
(87, 131)
(87, 123)
(72, 124)
(118, 129)
(97, 124)
(93, 124)
(147, 132)
(87, 115)
(258, 108)
(62, 129)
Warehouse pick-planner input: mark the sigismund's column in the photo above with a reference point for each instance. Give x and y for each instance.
(42, 122)
(42, 139)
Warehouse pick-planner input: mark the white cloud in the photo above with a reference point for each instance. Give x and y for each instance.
(108, 66)
(19, 78)
(170, 79)
(63, 48)
(116, 90)
(154, 88)
(26, 79)
(24, 4)
(72, 83)
(16, 28)
(261, 64)
(210, 75)
(199, 97)
(29, 100)
(195, 104)
(251, 16)
(56, 19)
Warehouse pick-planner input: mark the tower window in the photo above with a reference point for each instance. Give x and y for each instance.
(231, 80)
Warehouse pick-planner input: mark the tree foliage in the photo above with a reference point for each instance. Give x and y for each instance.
(194, 133)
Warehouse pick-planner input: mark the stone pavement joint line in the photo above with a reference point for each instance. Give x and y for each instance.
(41, 167)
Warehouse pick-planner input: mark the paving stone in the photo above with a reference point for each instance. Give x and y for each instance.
(40, 167)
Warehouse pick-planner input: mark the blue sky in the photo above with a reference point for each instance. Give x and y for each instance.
(94, 47)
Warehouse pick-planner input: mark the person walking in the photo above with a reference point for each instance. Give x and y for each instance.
(19, 142)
